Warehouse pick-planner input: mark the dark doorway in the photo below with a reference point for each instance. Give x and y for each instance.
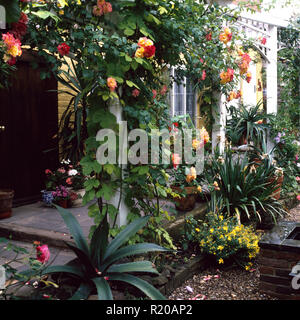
(28, 123)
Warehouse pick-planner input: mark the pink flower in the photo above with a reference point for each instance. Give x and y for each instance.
(48, 171)
(297, 157)
(154, 93)
(42, 253)
(298, 197)
(12, 61)
(298, 179)
(69, 181)
(135, 93)
(203, 75)
(263, 41)
(163, 90)
(61, 170)
(175, 160)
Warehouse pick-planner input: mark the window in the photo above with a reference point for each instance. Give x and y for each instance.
(183, 98)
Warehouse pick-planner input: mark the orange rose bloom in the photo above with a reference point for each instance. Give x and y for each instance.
(111, 83)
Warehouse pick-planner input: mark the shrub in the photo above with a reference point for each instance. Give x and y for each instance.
(224, 239)
(246, 188)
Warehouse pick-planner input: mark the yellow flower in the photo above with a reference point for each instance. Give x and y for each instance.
(211, 230)
(140, 52)
(220, 248)
(197, 230)
(221, 261)
(61, 12)
(195, 144)
(199, 188)
(192, 175)
(225, 228)
(204, 135)
(14, 51)
(145, 42)
(216, 185)
(221, 218)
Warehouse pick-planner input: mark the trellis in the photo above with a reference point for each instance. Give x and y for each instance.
(255, 28)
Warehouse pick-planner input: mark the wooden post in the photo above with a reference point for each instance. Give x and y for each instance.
(117, 199)
(272, 77)
(218, 129)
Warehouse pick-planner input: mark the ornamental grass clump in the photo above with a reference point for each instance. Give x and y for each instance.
(224, 240)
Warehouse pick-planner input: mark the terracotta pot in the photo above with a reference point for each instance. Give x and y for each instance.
(279, 181)
(63, 203)
(6, 199)
(243, 140)
(188, 202)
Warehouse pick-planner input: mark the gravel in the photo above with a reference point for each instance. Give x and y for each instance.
(226, 284)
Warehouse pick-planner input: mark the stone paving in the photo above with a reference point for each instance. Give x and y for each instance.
(39, 217)
(57, 256)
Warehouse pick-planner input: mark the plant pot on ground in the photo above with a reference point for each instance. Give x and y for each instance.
(6, 200)
(187, 199)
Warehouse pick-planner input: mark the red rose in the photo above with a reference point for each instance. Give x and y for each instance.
(63, 49)
(23, 18)
(176, 124)
(19, 29)
(149, 51)
(208, 36)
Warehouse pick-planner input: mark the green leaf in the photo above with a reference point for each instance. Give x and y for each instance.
(137, 266)
(99, 242)
(85, 260)
(144, 286)
(131, 251)
(131, 84)
(129, 32)
(143, 170)
(83, 292)
(103, 289)
(74, 229)
(125, 234)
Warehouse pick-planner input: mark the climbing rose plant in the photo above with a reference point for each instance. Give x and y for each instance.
(122, 52)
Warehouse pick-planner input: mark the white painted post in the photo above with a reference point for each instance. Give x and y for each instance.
(218, 129)
(116, 109)
(272, 77)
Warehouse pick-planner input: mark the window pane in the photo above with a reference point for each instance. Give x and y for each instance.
(190, 99)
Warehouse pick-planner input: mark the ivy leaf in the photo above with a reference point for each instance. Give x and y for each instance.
(131, 84)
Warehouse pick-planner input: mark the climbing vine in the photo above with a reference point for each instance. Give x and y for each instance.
(121, 52)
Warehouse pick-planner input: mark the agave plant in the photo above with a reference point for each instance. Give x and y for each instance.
(98, 264)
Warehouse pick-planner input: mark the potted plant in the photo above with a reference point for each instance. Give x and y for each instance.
(61, 196)
(75, 181)
(184, 184)
(247, 124)
(6, 199)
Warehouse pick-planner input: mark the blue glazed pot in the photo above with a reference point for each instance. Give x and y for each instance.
(47, 197)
